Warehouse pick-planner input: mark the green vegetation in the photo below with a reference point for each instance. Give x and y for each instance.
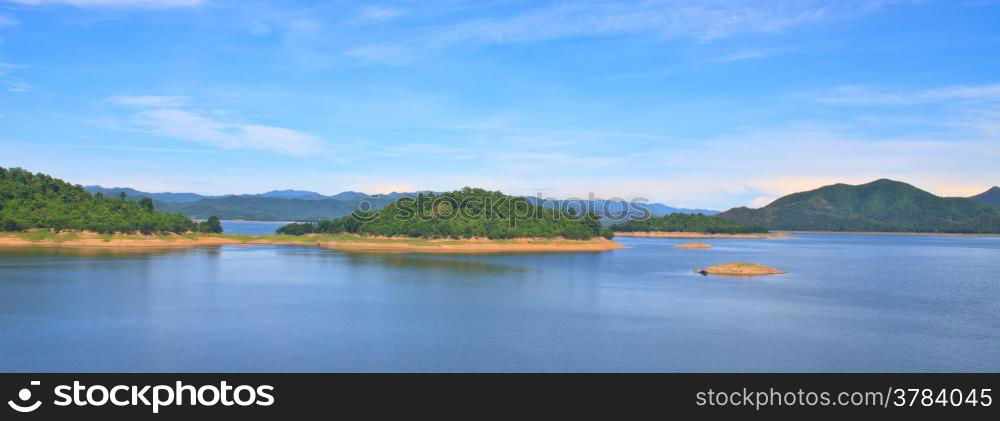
(990, 197)
(33, 201)
(679, 222)
(465, 213)
(212, 225)
(882, 205)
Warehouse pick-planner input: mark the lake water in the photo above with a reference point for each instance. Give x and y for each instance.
(849, 303)
(251, 227)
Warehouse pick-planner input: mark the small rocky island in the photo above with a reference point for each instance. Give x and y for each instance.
(740, 269)
(693, 246)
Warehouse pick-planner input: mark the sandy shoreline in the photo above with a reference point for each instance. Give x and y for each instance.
(338, 242)
(663, 234)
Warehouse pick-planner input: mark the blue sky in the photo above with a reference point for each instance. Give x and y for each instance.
(707, 104)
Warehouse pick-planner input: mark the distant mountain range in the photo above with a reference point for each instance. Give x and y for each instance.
(157, 197)
(990, 197)
(275, 194)
(300, 205)
(613, 211)
(882, 205)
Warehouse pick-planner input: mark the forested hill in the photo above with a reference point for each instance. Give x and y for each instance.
(29, 200)
(882, 205)
(989, 197)
(678, 222)
(465, 213)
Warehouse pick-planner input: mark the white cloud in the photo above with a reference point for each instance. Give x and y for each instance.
(12, 84)
(149, 100)
(8, 21)
(380, 54)
(150, 4)
(16, 86)
(705, 20)
(192, 126)
(376, 13)
(743, 55)
(166, 116)
(701, 21)
(860, 95)
(439, 151)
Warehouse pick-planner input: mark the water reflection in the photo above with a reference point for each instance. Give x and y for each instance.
(109, 252)
(430, 262)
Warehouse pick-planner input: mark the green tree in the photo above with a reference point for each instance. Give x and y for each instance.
(214, 225)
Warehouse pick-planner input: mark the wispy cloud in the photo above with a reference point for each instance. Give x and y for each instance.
(8, 21)
(706, 20)
(744, 55)
(16, 86)
(12, 84)
(791, 159)
(149, 100)
(859, 95)
(428, 150)
(165, 116)
(380, 54)
(747, 167)
(197, 127)
(150, 4)
(141, 149)
(702, 21)
(377, 13)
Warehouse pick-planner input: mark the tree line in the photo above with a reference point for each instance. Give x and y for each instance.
(32, 201)
(679, 222)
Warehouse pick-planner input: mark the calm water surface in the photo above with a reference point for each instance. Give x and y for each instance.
(251, 227)
(849, 303)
